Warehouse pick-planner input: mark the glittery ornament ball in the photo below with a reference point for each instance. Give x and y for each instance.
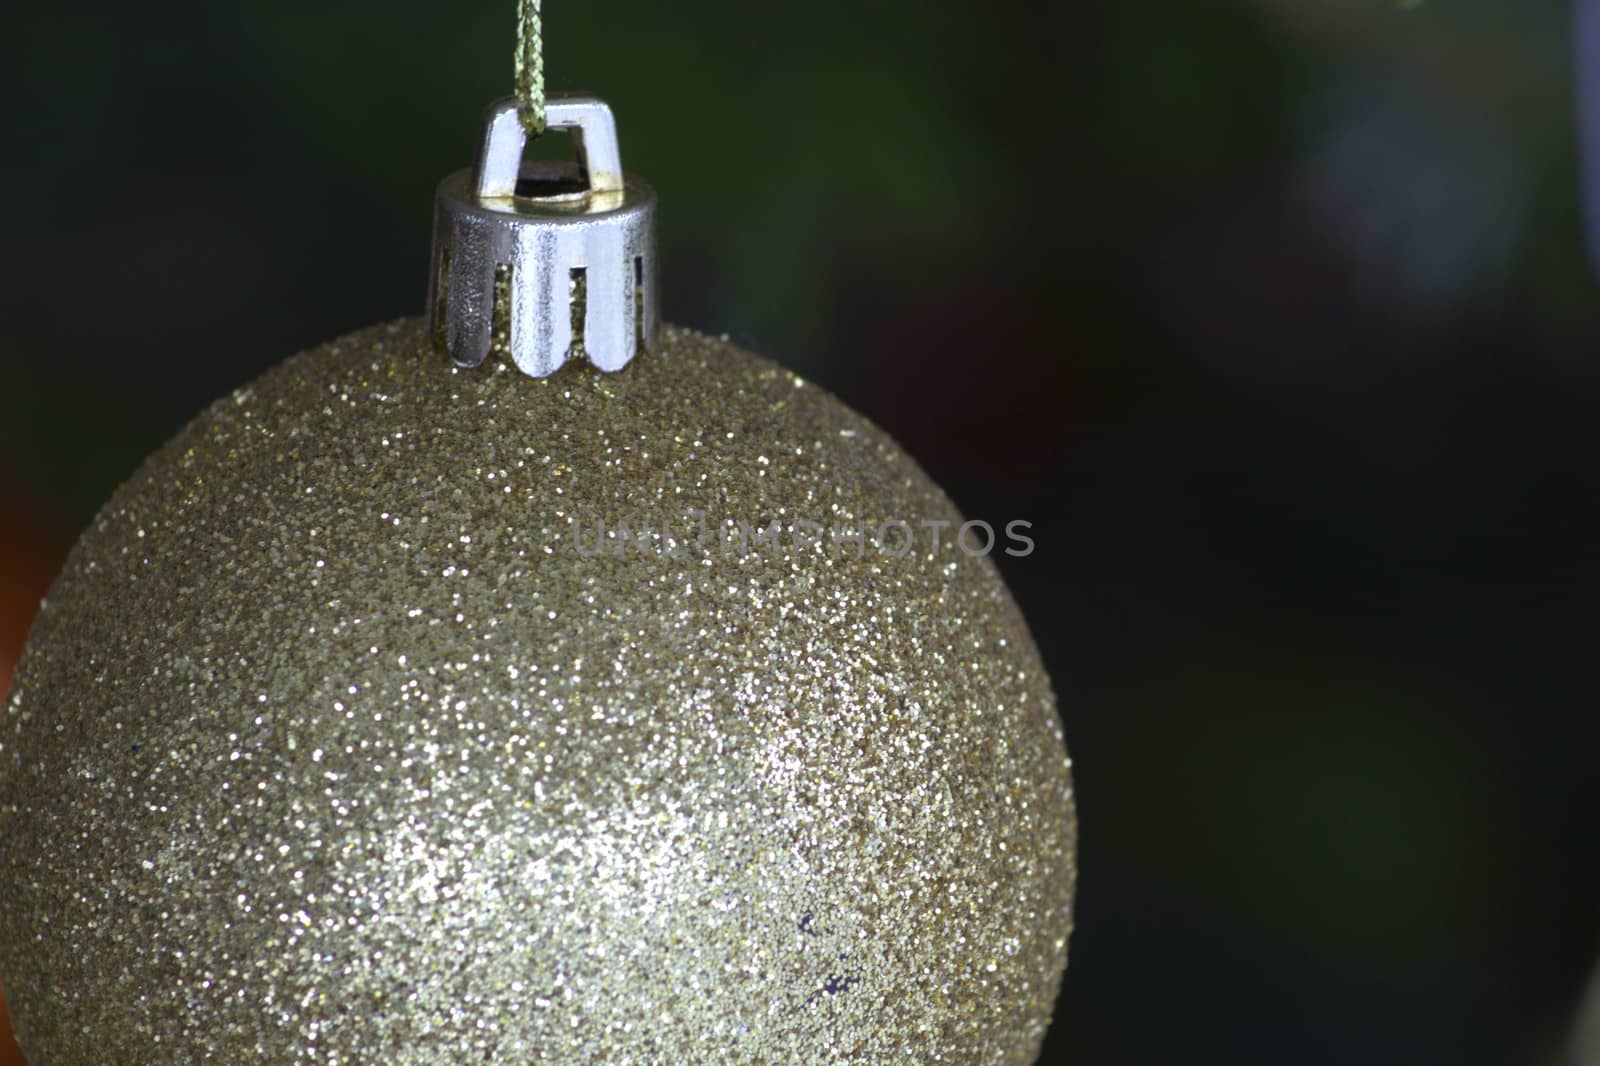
(395, 713)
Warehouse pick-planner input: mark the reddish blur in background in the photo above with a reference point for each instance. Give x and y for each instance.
(10, 1054)
(32, 543)
(1273, 316)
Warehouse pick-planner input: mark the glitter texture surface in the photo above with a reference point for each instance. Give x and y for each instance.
(340, 741)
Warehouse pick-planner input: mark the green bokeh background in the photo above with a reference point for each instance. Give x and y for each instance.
(1273, 316)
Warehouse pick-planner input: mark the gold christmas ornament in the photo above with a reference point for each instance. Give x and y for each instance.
(399, 713)
(420, 711)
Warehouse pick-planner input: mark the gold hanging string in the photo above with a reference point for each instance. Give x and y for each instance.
(530, 65)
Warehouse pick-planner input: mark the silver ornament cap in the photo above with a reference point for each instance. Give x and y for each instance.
(545, 261)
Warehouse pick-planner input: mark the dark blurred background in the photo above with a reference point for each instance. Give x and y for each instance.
(1273, 316)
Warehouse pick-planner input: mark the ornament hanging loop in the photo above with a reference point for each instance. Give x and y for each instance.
(594, 134)
(545, 262)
